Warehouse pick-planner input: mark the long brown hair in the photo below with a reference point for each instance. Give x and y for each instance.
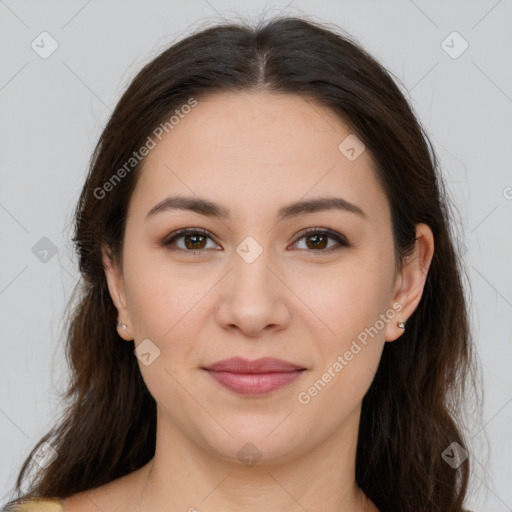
(412, 410)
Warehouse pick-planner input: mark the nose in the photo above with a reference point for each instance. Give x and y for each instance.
(253, 298)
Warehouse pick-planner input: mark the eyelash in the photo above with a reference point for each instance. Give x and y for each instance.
(180, 233)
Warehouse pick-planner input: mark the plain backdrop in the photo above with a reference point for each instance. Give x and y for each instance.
(53, 108)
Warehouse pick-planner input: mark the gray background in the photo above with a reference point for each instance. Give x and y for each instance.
(53, 110)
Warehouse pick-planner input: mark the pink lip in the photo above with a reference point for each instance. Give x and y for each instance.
(255, 377)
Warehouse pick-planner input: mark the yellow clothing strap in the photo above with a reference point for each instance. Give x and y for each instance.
(41, 506)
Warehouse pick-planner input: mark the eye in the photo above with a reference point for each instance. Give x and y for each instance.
(319, 240)
(194, 240)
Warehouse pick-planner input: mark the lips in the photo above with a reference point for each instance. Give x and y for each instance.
(257, 377)
(262, 365)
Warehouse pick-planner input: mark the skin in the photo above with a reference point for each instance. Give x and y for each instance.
(254, 153)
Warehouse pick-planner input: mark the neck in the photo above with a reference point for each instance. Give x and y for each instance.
(186, 476)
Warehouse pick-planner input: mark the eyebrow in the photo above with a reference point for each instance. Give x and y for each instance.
(211, 209)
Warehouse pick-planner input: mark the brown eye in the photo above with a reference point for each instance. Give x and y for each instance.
(194, 240)
(317, 240)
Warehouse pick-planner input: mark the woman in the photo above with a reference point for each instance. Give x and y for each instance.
(272, 314)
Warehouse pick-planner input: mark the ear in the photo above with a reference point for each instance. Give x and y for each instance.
(410, 282)
(116, 289)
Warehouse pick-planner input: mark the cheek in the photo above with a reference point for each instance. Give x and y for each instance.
(334, 392)
(162, 297)
(350, 299)
(166, 307)
(347, 365)
(169, 307)
(354, 304)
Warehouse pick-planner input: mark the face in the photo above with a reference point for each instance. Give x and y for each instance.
(252, 283)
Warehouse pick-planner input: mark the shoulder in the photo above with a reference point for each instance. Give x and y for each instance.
(39, 505)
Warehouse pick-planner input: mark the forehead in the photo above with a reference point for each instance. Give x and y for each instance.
(256, 152)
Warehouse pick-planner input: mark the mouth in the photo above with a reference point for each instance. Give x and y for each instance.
(256, 377)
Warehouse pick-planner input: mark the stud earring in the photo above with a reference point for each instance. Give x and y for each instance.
(121, 325)
(401, 324)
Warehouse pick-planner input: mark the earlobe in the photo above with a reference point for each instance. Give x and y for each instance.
(412, 279)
